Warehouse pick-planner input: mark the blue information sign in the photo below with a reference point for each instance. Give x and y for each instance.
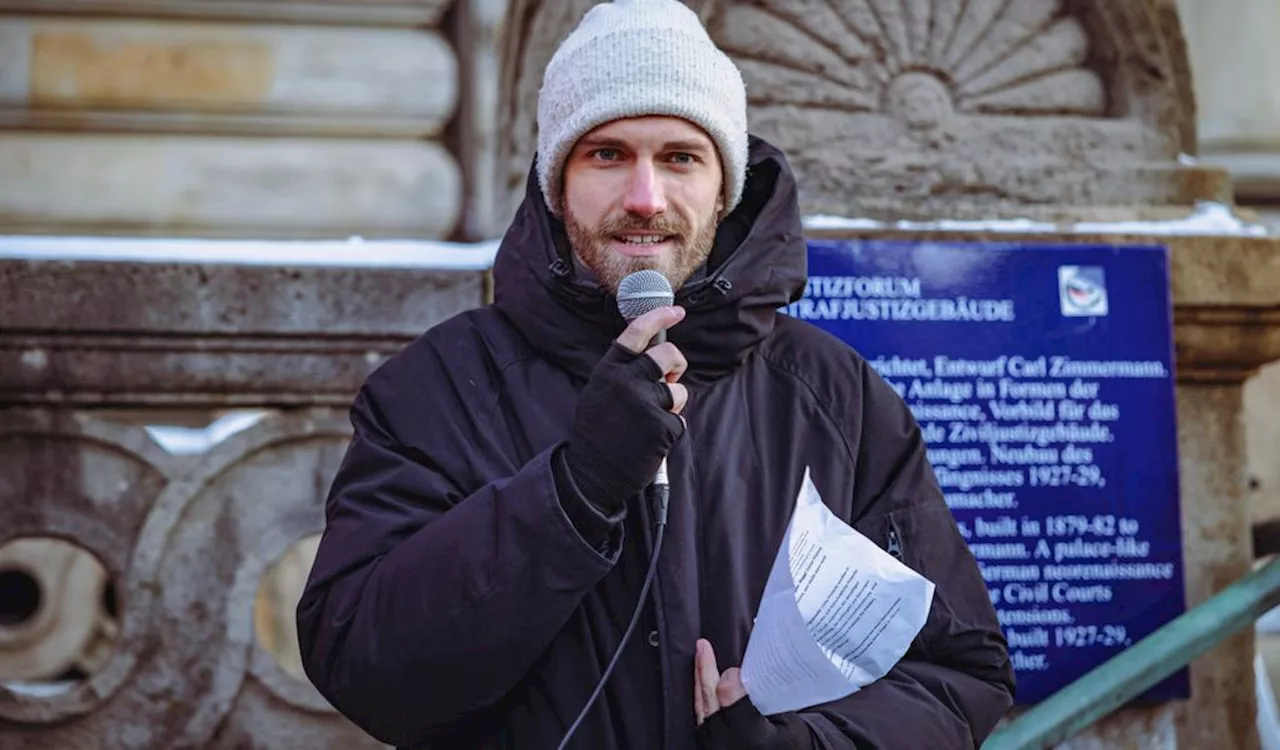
(1043, 380)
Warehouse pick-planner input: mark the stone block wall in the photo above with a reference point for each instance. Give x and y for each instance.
(263, 118)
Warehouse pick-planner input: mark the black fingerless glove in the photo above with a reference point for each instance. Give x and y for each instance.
(742, 727)
(621, 430)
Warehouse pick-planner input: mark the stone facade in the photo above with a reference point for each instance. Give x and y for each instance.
(1237, 74)
(917, 109)
(326, 118)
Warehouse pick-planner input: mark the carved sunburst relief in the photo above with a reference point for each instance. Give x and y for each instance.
(925, 108)
(919, 61)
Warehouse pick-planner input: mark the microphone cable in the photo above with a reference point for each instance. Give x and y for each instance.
(662, 494)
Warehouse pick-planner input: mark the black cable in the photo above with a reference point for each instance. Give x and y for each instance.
(662, 491)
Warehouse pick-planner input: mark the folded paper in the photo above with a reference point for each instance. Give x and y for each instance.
(837, 613)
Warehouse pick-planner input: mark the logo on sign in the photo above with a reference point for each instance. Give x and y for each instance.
(1082, 290)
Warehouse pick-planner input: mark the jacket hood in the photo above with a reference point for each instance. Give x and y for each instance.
(757, 265)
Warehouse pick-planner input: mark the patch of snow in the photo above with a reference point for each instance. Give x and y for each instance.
(1207, 218)
(353, 252)
(822, 221)
(185, 441)
(40, 689)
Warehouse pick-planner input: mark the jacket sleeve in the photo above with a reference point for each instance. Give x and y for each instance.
(430, 599)
(955, 682)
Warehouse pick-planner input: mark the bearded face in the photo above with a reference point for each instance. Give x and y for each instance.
(643, 193)
(621, 245)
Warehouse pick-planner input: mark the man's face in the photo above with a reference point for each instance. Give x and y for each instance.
(643, 193)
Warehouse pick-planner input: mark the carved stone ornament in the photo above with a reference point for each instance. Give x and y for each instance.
(926, 108)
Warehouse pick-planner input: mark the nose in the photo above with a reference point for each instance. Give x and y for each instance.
(644, 196)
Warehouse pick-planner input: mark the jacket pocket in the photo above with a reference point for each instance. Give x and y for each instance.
(913, 536)
(961, 631)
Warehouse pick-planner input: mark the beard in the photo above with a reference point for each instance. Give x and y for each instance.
(690, 247)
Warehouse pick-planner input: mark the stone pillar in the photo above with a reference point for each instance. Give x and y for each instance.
(1071, 119)
(1236, 67)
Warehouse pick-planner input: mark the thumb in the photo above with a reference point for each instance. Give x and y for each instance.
(730, 689)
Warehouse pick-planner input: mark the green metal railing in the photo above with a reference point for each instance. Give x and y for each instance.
(1137, 668)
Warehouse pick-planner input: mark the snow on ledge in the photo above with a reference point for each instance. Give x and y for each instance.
(1207, 218)
(185, 441)
(355, 252)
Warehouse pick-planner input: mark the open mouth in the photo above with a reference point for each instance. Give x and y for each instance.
(642, 244)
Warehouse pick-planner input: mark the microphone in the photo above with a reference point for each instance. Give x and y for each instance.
(641, 292)
(638, 293)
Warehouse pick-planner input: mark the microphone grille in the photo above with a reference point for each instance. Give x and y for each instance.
(642, 291)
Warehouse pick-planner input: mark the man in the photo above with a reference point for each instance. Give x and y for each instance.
(488, 533)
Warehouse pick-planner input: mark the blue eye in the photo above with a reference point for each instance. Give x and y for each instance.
(683, 158)
(607, 154)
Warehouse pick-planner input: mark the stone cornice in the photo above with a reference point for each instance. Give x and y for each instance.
(206, 335)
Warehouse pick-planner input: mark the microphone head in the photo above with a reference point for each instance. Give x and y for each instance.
(642, 291)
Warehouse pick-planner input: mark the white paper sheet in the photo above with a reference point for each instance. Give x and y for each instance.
(837, 613)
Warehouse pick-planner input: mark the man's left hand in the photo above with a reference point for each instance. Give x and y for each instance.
(712, 690)
(725, 721)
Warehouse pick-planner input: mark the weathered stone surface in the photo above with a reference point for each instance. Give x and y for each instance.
(1262, 441)
(211, 186)
(1217, 552)
(147, 75)
(191, 540)
(159, 333)
(188, 539)
(479, 25)
(912, 108)
(92, 483)
(415, 13)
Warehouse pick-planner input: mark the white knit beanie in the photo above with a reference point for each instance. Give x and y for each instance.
(631, 58)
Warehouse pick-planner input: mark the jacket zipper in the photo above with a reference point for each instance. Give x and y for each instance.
(659, 620)
(895, 543)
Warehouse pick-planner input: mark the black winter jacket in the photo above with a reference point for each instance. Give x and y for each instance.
(454, 604)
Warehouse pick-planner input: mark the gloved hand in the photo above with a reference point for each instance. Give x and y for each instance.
(741, 726)
(728, 720)
(627, 414)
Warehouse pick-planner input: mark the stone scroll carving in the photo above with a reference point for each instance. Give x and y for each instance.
(902, 108)
(107, 406)
(187, 539)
